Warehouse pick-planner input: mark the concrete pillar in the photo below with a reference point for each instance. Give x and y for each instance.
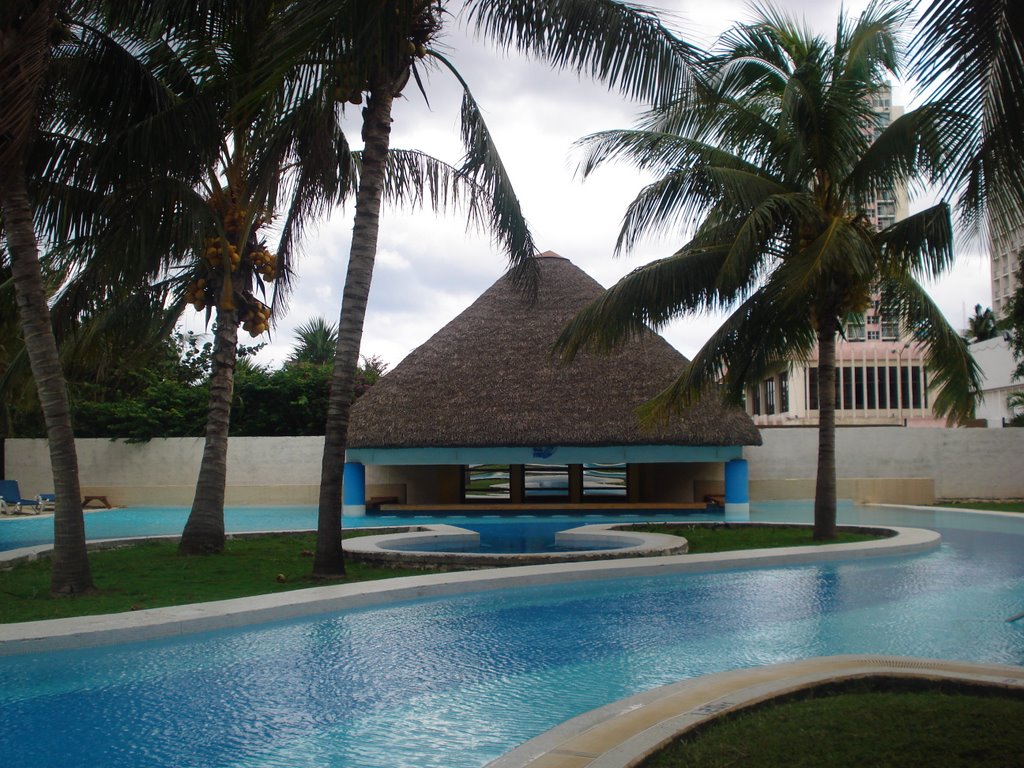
(737, 490)
(353, 492)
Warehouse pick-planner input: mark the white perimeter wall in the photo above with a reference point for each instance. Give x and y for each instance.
(962, 463)
(955, 463)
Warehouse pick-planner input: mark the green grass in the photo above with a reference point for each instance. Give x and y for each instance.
(878, 724)
(989, 506)
(719, 537)
(152, 574)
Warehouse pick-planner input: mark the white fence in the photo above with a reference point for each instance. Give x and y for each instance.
(873, 464)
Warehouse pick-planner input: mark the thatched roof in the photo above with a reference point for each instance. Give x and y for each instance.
(488, 379)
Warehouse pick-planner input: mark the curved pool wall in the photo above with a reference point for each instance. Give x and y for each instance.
(457, 681)
(454, 546)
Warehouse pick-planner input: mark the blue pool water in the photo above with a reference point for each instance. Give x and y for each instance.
(455, 682)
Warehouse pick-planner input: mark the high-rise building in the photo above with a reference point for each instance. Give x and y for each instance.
(1004, 247)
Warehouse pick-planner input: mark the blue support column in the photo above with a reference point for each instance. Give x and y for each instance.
(353, 501)
(737, 490)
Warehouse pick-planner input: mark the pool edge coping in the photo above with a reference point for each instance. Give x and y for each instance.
(625, 732)
(173, 621)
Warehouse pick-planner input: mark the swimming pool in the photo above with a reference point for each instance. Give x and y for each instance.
(458, 681)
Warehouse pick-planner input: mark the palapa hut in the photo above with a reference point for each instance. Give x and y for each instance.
(482, 412)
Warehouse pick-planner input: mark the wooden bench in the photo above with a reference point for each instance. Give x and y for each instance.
(375, 502)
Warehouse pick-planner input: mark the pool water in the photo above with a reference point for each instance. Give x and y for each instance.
(455, 682)
(509, 538)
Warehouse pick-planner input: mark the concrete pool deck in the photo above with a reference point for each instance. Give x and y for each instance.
(108, 629)
(623, 733)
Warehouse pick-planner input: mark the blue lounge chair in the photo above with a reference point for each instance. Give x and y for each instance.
(13, 503)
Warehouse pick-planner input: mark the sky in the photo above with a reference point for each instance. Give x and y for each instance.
(429, 268)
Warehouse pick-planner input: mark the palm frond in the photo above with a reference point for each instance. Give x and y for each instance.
(483, 166)
(753, 340)
(970, 55)
(647, 298)
(322, 176)
(920, 245)
(618, 43)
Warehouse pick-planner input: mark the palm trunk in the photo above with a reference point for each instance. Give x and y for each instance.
(204, 529)
(825, 487)
(70, 574)
(329, 561)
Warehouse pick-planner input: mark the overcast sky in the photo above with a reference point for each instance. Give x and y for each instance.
(429, 268)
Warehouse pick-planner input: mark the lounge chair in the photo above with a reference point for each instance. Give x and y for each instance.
(13, 503)
(46, 502)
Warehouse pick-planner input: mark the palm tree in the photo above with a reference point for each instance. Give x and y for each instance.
(969, 54)
(281, 153)
(315, 341)
(228, 132)
(771, 161)
(618, 43)
(26, 28)
(982, 325)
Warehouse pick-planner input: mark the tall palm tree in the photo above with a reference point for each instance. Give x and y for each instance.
(26, 28)
(618, 43)
(280, 154)
(771, 162)
(969, 54)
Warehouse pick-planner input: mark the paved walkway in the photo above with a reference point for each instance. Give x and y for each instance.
(622, 734)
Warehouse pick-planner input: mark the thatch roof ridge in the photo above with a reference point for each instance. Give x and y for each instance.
(487, 378)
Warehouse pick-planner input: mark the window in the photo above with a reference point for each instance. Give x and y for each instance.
(890, 330)
(858, 388)
(846, 389)
(548, 481)
(855, 332)
(869, 381)
(755, 399)
(873, 335)
(769, 396)
(783, 392)
(915, 386)
(604, 480)
(490, 482)
(812, 389)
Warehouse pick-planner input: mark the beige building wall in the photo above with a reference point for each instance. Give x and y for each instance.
(874, 464)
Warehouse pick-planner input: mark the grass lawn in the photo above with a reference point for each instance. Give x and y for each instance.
(879, 724)
(719, 537)
(152, 574)
(990, 506)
